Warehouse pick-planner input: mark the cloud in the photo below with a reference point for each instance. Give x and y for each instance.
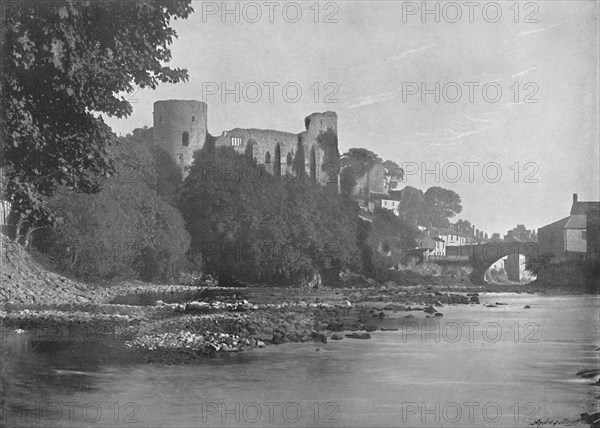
(408, 52)
(460, 130)
(523, 73)
(527, 33)
(369, 99)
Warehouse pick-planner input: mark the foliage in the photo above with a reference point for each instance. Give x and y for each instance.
(64, 64)
(392, 173)
(389, 240)
(463, 226)
(412, 205)
(257, 227)
(128, 228)
(300, 161)
(357, 161)
(440, 205)
(138, 158)
(124, 230)
(537, 264)
(354, 164)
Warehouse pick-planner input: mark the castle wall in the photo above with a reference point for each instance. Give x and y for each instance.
(173, 118)
(266, 141)
(180, 126)
(315, 124)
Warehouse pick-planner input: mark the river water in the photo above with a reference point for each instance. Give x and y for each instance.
(476, 366)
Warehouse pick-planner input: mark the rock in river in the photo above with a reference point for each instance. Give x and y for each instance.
(359, 336)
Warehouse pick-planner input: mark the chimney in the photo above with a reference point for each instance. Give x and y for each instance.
(574, 197)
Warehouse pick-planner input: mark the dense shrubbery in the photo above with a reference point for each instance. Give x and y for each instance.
(251, 226)
(128, 229)
(577, 273)
(386, 243)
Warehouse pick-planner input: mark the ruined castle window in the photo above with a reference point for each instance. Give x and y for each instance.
(185, 139)
(236, 141)
(289, 159)
(193, 118)
(267, 158)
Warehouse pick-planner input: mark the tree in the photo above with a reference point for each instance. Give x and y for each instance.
(390, 238)
(538, 264)
(126, 229)
(262, 229)
(63, 65)
(300, 161)
(392, 173)
(440, 205)
(138, 158)
(464, 226)
(412, 206)
(354, 164)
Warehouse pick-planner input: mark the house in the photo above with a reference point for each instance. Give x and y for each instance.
(370, 188)
(593, 234)
(431, 246)
(521, 234)
(568, 236)
(391, 204)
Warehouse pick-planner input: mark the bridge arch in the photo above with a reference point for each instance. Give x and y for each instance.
(482, 256)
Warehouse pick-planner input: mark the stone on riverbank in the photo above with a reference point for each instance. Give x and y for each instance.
(358, 335)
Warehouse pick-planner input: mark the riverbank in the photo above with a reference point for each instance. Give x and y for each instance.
(178, 323)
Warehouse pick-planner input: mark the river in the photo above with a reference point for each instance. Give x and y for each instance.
(476, 366)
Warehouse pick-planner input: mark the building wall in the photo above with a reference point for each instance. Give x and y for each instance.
(315, 124)
(593, 234)
(512, 268)
(552, 240)
(392, 205)
(370, 182)
(440, 248)
(575, 242)
(265, 141)
(174, 117)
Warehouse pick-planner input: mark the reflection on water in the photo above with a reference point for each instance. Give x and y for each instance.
(476, 366)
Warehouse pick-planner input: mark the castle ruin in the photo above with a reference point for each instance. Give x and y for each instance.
(180, 127)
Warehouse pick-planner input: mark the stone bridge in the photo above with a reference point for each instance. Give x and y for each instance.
(482, 256)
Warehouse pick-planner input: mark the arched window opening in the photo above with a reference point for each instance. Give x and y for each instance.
(290, 159)
(185, 138)
(267, 158)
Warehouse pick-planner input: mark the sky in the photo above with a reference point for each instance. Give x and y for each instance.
(497, 102)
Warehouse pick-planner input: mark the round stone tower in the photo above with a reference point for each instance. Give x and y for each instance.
(180, 128)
